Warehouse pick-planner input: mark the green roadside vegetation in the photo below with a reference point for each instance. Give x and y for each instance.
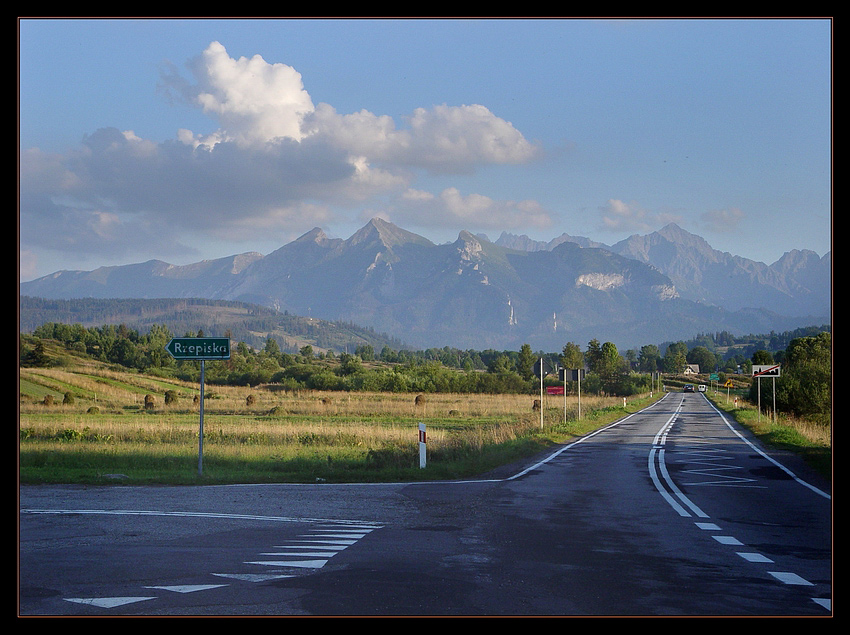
(341, 418)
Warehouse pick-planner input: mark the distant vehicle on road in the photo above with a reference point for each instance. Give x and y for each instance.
(689, 388)
(701, 388)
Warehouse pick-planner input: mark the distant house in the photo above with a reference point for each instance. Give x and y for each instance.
(692, 369)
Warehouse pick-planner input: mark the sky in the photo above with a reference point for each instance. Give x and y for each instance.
(191, 139)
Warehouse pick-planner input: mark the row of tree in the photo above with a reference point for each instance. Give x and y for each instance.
(805, 386)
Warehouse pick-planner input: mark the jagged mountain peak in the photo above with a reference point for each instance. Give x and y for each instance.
(524, 243)
(385, 233)
(799, 258)
(672, 238)
(468, 237)
(315, 235)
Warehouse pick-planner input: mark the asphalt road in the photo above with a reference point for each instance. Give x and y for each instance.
(672, 511)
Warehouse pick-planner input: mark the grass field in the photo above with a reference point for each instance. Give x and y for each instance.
(105, 432)
(99, 429)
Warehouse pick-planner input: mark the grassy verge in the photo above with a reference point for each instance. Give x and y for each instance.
(262, 435)
(810, 440)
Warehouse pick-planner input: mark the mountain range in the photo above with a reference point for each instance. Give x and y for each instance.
(474, 293)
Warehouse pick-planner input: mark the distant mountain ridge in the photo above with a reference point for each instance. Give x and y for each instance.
(798, 284)
(474, 293)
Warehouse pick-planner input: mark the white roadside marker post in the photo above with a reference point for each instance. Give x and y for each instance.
(422, 449)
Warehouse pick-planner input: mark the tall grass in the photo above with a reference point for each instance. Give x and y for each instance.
(264, 434)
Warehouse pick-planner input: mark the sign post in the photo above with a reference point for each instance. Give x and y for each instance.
(199, 349)
(714, 377)
(766, 370)
(573, 374)
(565, 396)
(542, 375)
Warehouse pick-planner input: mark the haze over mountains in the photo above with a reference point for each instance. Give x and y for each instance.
(474, 293)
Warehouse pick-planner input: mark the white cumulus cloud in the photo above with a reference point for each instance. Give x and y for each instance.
(276, 162)
(253, 101)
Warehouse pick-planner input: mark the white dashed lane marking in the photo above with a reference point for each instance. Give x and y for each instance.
(786, 577)
(790, 578)
(712, 469)
(754, 557)
(727, 540)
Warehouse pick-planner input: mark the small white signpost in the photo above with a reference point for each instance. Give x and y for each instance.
(422, 447)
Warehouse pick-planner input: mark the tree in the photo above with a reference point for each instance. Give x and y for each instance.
(610, 358)
(648, 358)
(38, 357)
(349, 364)
(366, 352)
(123, 352)
(593, 355)
(501, 364)
(242, 349)
(572, 357)
(762, 358)
(271, 348)
(525, 362)
(610, 366)
(675, 358)
(805, 385)
(704, 358)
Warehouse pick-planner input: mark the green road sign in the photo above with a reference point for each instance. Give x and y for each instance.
(183, 348)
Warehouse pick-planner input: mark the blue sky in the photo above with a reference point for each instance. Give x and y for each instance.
(185, 140)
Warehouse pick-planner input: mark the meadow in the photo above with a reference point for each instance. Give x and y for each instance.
(90, 424)
(93, 425)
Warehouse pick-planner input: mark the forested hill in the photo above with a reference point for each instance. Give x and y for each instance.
(242, 322)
